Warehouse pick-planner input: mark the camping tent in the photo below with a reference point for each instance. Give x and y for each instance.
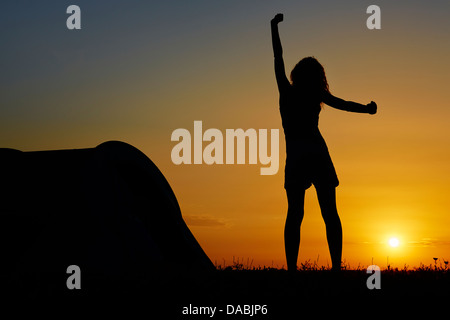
(108, 210)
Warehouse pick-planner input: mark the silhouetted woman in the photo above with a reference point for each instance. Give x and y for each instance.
(307, 158)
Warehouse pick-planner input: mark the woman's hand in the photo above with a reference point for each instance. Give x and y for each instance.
(372, 108)
(277, 19)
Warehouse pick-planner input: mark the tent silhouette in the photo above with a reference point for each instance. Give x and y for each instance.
(107, 209)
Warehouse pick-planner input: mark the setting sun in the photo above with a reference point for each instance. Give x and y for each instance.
(393, 242)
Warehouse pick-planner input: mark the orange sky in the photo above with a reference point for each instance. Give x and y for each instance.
(158, 70)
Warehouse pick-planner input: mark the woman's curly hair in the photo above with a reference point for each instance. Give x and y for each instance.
(308, 76)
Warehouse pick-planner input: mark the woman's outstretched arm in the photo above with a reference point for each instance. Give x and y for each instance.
(350, 106)
(280, 73)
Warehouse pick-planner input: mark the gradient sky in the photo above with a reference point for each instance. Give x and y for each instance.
(137, 70)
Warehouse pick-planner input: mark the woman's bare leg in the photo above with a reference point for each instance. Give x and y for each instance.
(327, 202)
(296, 200)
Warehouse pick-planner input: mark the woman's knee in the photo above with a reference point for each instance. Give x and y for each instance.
(296, 200)
(327, 200)
(331, 216)
(295, 215)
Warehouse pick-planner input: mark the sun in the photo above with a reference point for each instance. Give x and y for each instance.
(393, 242)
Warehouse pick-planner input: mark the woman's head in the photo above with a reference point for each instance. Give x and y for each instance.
(309, 77)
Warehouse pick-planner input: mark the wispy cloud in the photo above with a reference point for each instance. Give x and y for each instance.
(205, 221)
(421, 243)
(427, 242)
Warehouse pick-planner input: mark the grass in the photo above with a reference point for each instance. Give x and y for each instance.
(244, 281)
(238, 264)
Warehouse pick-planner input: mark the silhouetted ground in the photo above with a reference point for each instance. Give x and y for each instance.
(317, 291)
(284, 295)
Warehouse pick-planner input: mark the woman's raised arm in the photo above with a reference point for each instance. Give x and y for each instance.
(280, 72)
